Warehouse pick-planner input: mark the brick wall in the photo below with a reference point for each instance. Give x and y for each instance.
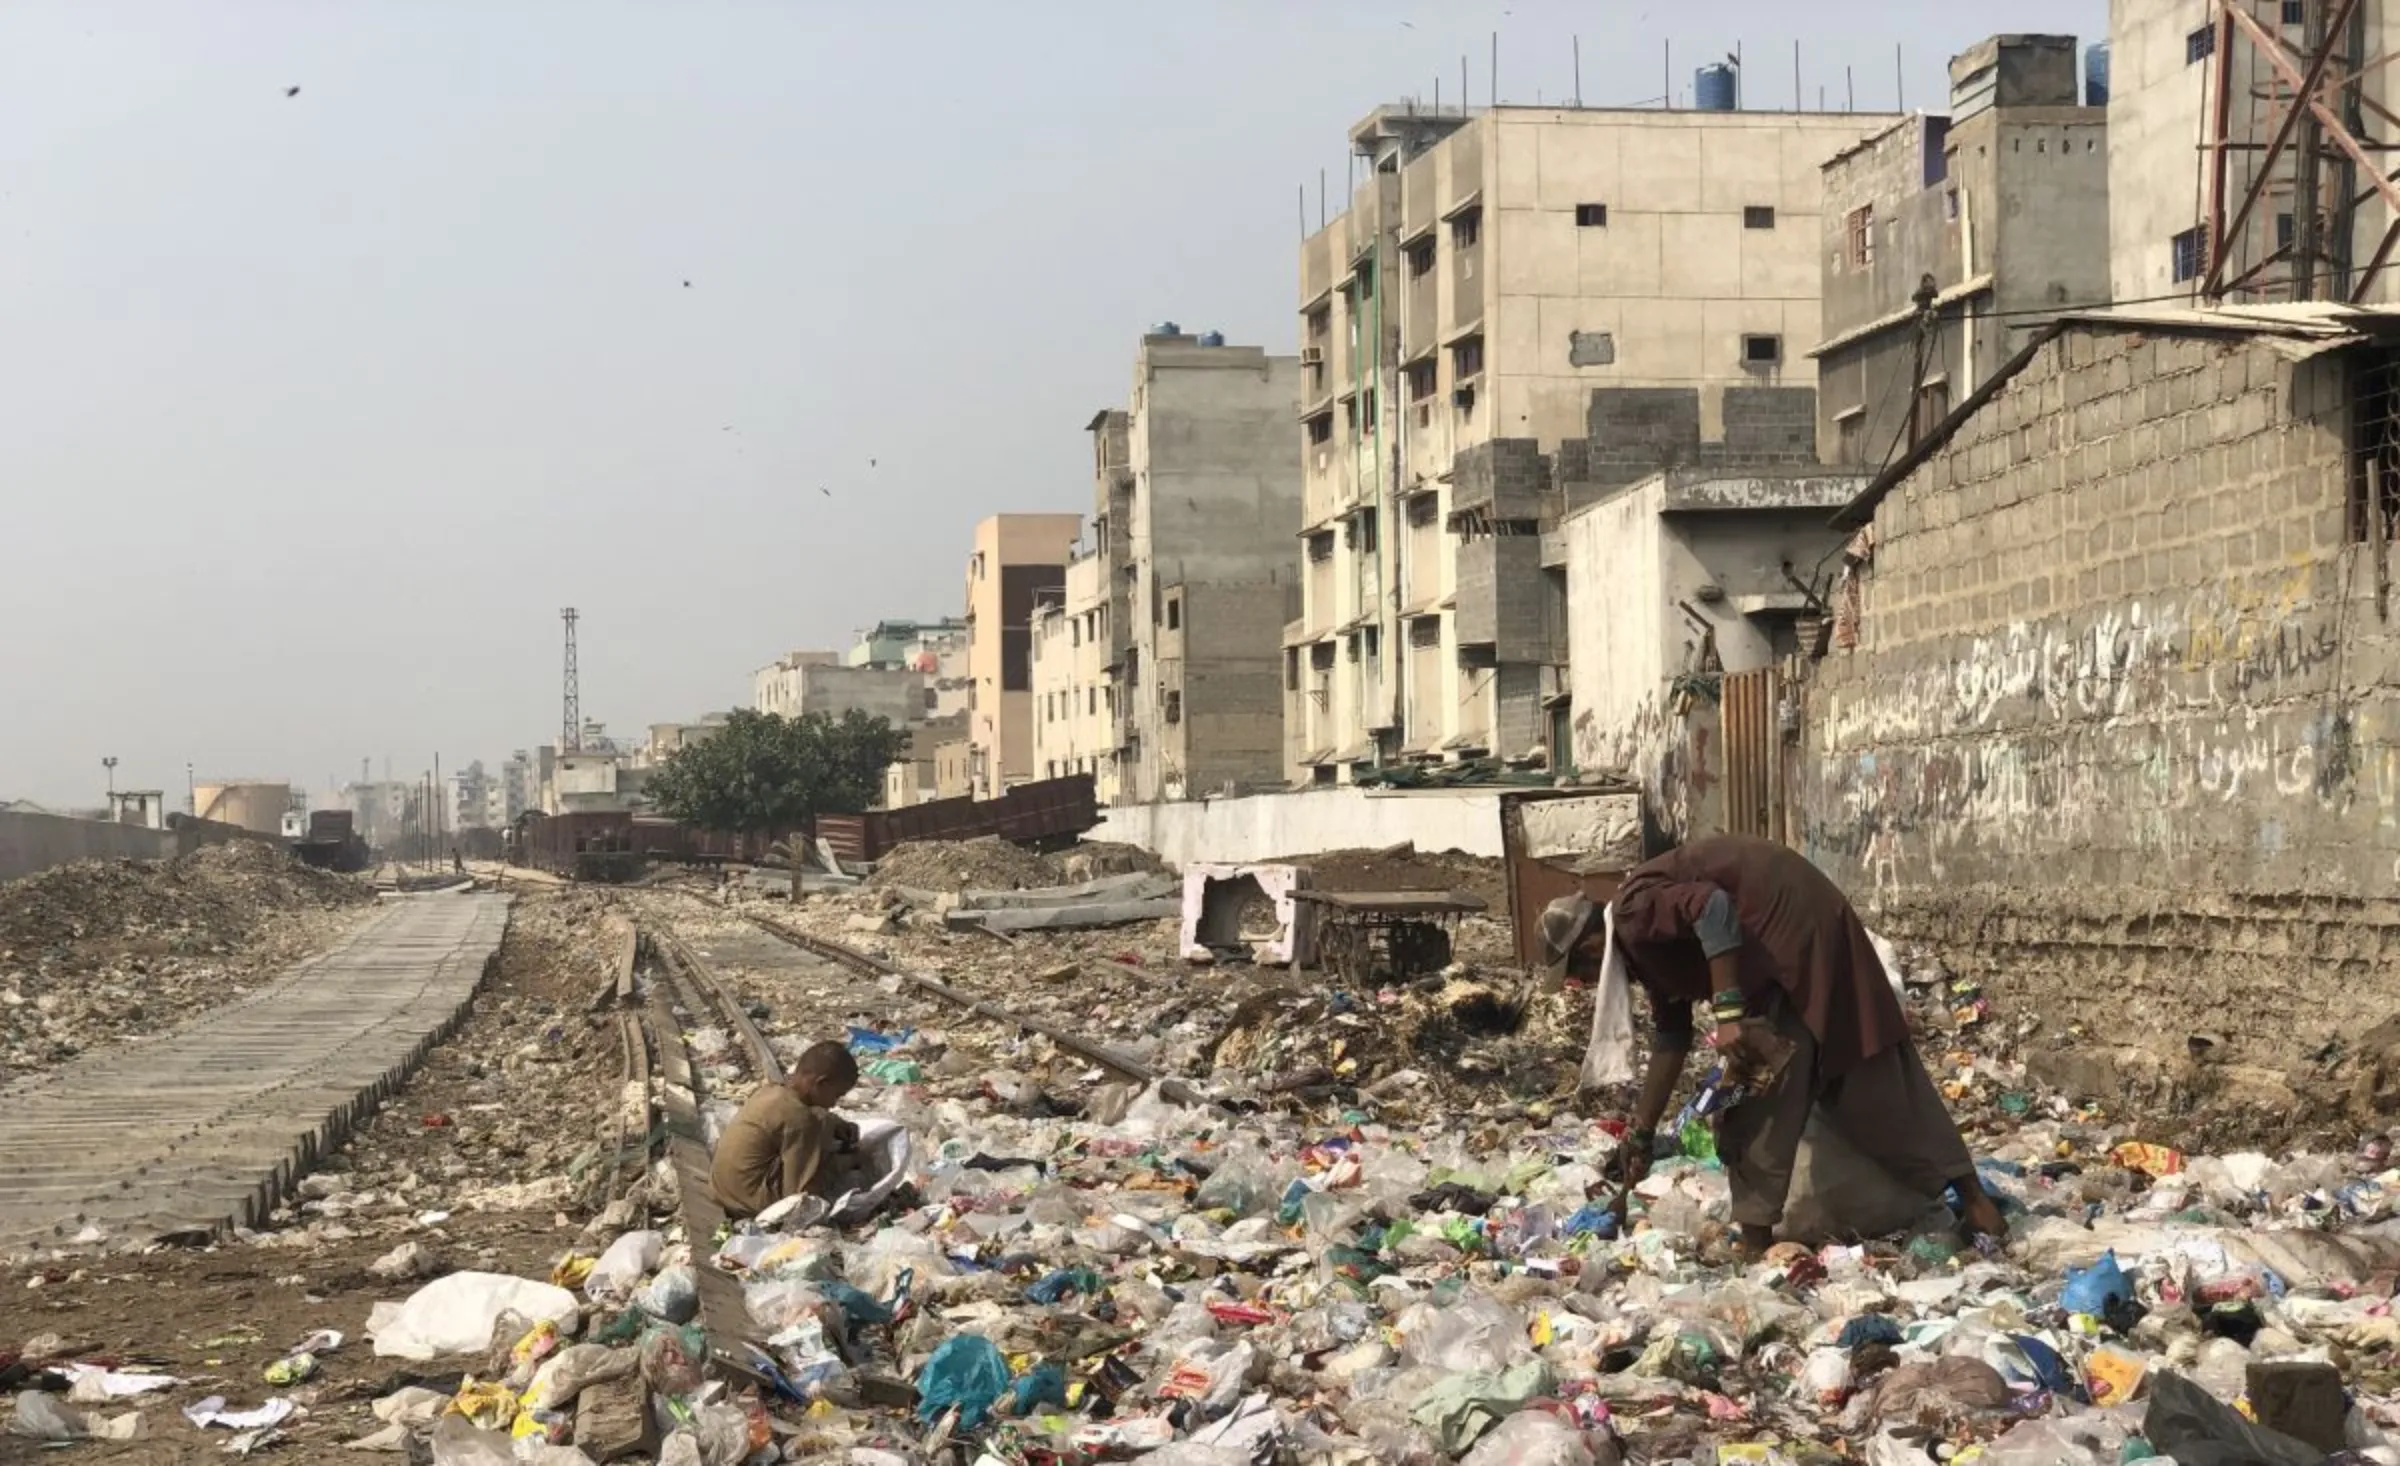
(1504, 478)
(1639, 431)
(2118, 736)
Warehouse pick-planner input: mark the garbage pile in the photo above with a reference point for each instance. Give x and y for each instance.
(97, 951)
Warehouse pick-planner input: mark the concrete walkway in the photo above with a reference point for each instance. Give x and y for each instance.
(210, 1125)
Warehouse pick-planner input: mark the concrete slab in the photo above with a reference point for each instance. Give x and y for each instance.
(207, 1126)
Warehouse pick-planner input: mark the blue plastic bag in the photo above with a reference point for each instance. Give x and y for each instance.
(2091, 1289)
(1044, 1384)
(967, 1371)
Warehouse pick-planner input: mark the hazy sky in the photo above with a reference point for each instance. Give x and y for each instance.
(319, 407)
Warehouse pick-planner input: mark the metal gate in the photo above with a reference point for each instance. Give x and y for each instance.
(1751, 731)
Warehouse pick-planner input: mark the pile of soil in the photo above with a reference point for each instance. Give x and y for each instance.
(102, 950)
(1405, 868)
(987, 864)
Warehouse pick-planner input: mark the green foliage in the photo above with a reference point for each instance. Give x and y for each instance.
(765, 773)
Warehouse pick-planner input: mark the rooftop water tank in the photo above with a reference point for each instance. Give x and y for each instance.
(2095, 74)
(1716, 88)
(1166, 328)
(1212, 338)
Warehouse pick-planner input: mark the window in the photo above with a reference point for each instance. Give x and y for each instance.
(1421, 376)
(1424, 509)
(1091, 700)
(1950, 205)
(2200, 45)
(1933, 404)
(1174, 707)
(1320, 428)
(1762, 350)
(1425, 631)
(1862, 236)
(1320, 323)
(1320, 656)
(1320, 545)
(1466, 229)
(1466, 358)
(1591, 216)
(2190, 252)
(1850, 434)
(1175, 613)
(2285, 231)
(1367, 532)
(1075, 632)
(2374, 387)
(1420, 258)
(1291, 669)
(1366, 280)
(2295, 12)
(1370, 639)
(1758, 216)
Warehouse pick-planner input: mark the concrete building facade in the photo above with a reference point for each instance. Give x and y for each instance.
(2122, 728)
(2002, 206)
(1687, 575)
(801, 683)
(1491, 272)
(1074, 687)
(1019, 560)
(935, 650)
(2170, 63)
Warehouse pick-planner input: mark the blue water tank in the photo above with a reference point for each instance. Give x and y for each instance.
(1716, 88)
(1212, 338)
(1166, 328)
(2095, 74)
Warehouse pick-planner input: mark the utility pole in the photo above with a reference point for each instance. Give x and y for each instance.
(108, 761)
(1927, 293)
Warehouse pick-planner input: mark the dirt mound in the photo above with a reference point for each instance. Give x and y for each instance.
(1092, 859)
(99, 950)
(1405, 868)
(988, 864)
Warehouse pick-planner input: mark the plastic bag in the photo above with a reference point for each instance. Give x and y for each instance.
(2187, 1423)
(672, 1360)
(2092, 1289)
(575, 1369)
(455, 1314)
(1478, 1334)
(1240, 1184)
(673, 1295)
(1532, 1438)
(966, 1371)
(621, 1268)
(41, 1417)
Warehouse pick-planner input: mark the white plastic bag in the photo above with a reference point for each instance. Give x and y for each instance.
(1608, 1056)
(622, 1267)
(883, 1151)
(455, 1314)
(1532, 1438)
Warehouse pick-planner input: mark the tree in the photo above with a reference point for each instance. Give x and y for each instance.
(763, 773)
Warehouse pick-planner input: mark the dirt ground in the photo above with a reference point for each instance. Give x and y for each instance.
(525, 1090)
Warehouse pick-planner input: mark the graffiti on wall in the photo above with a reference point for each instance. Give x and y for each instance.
(2211, 723)
(2213, 648)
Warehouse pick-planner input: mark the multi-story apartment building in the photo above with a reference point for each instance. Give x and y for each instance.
(799, 683)
(2200, 201)
(2000, 207)
(1019, 560)
(1163, 644)
(1491, 272)
(1074, 683)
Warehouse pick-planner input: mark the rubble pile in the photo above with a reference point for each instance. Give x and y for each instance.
(986, 864)
(97, 951)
